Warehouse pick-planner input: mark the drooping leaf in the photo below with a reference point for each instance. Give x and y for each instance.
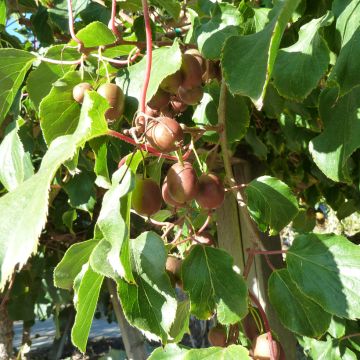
(14, 65)
(181, 323)
(332, 149)
(173, 7)
(299, 67)
(99, 147)
(271, 203)
(296, 311)
(172, 351)
(70, 265)
(47, 73)
(111, 257)
(149, 304)
(216, 285)
(87, 296)
(326, 268)
(16, 164)
(248, 60)
(19, 232)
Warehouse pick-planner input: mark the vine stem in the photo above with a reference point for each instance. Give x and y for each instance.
(112, 20)
(265, 320)
(142, 104)
(349, 336)
(71, 26)
(266, 252)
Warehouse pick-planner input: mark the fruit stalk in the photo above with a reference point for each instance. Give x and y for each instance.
(148, 55)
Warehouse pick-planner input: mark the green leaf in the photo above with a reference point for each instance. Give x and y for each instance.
(304, 222)
(59, 112)
(16, 163)
(271, 203)
(303, 63)
(211, 36)
(173, 7)
(132, 79)
(99, 146)
(181, 323)
(111, 257)
(2, 12)
(14, 64)
(70, 265)
(326, 268)
(150, 304)
(86, 299)
(331, 150)
(212, 284)
(248, 60)
(46, 73)
(174, 352)
(297, 312)
(337, 327)
(19, 232)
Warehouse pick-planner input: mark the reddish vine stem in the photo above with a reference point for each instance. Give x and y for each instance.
(71, 26)
(248, 264)
(148, 56)
(265, 320)
(112, 20)
(266, 252)
(206, 223)
(349, 336)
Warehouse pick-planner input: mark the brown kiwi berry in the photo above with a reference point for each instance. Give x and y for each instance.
(167, 197)
(171, 83)
(261, 348)
(197, 55)
(211, 192)
(192, 73)
(217, 336)
(79, 91)
(146, 197)
(178, 106)
(166, 111)
(159, 100)
(191, 96)
(164, 134)
(116, 99)
(182, 182)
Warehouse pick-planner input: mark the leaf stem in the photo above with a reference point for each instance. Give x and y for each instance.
(71, 26)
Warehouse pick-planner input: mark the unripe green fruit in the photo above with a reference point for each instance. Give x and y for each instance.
(79, 91)
(146, 197)
(164, 134)
(182, 182)
(191, 96)
(261, 348)
(211, 192)
(116, 99)
(159, 100)
(167, 197)
(217, 336)
(192, 73)
(171, 83)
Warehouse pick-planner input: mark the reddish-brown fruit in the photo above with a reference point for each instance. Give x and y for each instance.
(79, 91)
(261, 348)
(250, 327)
(178, 106)
(197, 55)
(211, 192)
(146, 197)
(166, 111)
(164, 134)
(167, 197)
(171, 83)
(191, 96)
(159, 100)
(151, 112)
(115, 97)
(217, 336)
(182, 182)
(173, 266)
(192, 73)
(204, 238)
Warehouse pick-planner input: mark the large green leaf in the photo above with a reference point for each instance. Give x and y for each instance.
(271, 203)
(212, 284)
(19, 232)
(70, 265)
(111, 257)
(14, 65)
(332, 149)
(59, 112)
(46, 73)
(174, 352)
(326, 268)
(296, 311)
(2, 12)
(298, 68)
(131, 80)
(16, 164)
(173, 7)
(248, 60)
(86, 296)
(150, 304)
